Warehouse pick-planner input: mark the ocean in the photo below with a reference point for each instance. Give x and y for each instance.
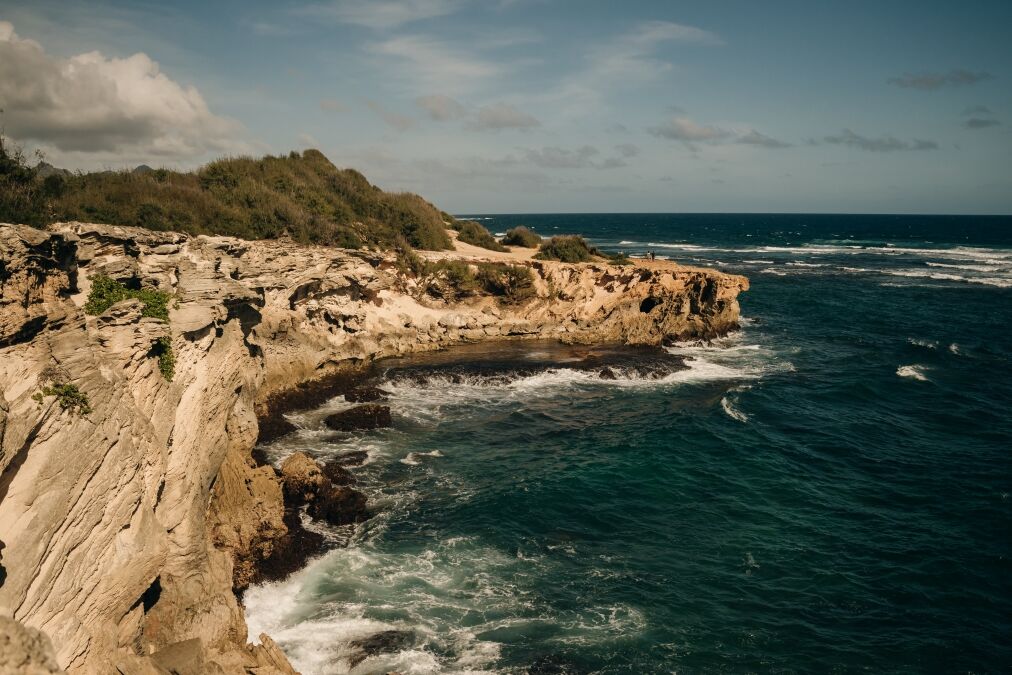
(824, 491)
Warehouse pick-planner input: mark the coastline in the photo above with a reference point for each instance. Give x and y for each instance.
(253, 322)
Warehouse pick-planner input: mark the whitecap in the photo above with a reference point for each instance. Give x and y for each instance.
(415, 458)
(927, 344)
(913, 371)
(954, 348)
(731, 411)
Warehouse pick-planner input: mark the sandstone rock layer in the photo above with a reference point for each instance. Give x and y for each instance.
(128, 523)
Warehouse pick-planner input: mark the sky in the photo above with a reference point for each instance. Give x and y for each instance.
(523, 106)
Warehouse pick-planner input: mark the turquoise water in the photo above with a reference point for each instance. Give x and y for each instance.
(826, 490)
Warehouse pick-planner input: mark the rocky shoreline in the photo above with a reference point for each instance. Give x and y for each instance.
(131, 509)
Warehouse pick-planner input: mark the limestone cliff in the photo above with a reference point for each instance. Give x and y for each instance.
(128, 516)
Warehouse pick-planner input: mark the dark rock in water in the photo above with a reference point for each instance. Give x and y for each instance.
(353, 458)
(339, 505)
(301, 478)
(607, 374)
(365, 395)
(337, 474)
(291, 551)
(273, 428)
(368, 416)
(386, 642)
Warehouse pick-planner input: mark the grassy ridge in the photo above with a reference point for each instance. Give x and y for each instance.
(302, 196)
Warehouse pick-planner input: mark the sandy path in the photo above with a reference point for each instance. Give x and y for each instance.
(466, 251)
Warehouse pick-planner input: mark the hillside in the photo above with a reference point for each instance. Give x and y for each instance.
(302, 196)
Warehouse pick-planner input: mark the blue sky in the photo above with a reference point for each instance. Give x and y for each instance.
(540, 105)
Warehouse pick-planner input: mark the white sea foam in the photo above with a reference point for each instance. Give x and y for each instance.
(928, 344)
(731, 411)
(416, 458)
(913, 371)
(954, 348)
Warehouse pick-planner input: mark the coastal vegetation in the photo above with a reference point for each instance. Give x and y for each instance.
(302, 196)
(521, 236)
(106, 292)
(476, 234)
(568, 248)
(67, 395)
(453, 280)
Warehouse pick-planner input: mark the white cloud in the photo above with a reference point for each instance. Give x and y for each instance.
(90, 103)
(384, 14)
(689, 132)
(504, 116)
(440, 108)
(632, 54)
(684, 129)
(433, 65)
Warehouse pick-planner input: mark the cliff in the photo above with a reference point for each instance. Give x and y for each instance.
(129, 505)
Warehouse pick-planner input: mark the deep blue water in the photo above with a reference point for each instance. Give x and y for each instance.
(826, 491)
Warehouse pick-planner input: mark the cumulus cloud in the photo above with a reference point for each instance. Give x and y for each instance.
(503, 116)
(90, 103)
(440, 108)
(383, 14)
(883, 144)
(392, 119)
(933, 81)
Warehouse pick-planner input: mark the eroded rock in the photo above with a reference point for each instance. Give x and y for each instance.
(361, 417)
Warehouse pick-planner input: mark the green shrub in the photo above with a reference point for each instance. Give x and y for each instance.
(620, 259)
(521, 236)
(162, 349)
(106, 292)
(567, 248)
(476, 234)
(67, 395)
(408, 262)
(22, 198)
(451, 279)
(512, 283)
(302, 196)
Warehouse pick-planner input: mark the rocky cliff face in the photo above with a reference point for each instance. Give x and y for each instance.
(129, 505)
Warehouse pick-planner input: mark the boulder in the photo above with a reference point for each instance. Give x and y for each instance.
(365, 395)
(353, 458)
(337, 474)
(385, 642)
(339, 505)
(301, 478)
(367, 416)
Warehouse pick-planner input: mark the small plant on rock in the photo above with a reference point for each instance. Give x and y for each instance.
(67, 395)
(162, 349)
(106, 292)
